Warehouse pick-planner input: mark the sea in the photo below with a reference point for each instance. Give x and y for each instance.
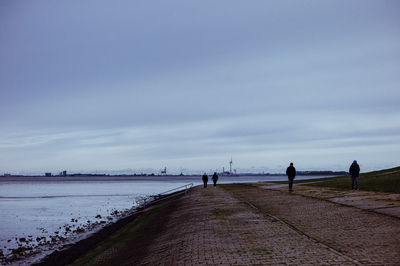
(41, 214)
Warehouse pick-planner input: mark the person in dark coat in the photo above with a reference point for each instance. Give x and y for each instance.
(205, 179)
(354, 171)
(215, 178)
(291, 174)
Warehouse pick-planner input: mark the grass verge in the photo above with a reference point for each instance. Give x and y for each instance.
(128, 245)
(123, 242)
(387, 180)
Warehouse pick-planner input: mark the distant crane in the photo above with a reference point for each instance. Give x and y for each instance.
(164, 171)
(230, 166)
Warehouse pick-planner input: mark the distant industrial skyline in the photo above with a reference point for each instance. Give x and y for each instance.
(100, 85)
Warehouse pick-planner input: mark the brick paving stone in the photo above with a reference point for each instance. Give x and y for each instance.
(368, 237)
(212, 227)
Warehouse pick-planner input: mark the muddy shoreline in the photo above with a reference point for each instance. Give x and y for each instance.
(72, 251)
(69, 253)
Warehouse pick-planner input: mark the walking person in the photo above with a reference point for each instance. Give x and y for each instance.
(205, 179)
(215, 178)
(291, 174)
(354, 171)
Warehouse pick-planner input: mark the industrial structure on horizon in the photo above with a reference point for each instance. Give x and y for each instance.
(230, 169)
(164, 171)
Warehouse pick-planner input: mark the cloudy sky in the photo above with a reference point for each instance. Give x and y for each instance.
(111, 85)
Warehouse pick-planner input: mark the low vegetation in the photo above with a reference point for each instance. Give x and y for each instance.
(387, 180)
(129, 243)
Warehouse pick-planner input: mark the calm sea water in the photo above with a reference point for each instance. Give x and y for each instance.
(39, 214)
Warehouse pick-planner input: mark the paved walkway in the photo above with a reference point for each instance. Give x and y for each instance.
(385, 203)
(366, 236)
(245, 225)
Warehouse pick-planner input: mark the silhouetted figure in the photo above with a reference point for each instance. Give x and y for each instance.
(205, 179)
(354, 171)
(215, 178)
(291, 174)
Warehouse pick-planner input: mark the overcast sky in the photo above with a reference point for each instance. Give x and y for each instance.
(110, 85)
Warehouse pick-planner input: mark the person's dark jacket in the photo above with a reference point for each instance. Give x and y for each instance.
(291, 172)
(205, 178)
(354, 170)
(215, 177)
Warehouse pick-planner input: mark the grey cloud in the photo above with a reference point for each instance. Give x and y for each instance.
(104, 84)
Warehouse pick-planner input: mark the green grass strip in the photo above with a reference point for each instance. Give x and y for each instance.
(387, 180)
